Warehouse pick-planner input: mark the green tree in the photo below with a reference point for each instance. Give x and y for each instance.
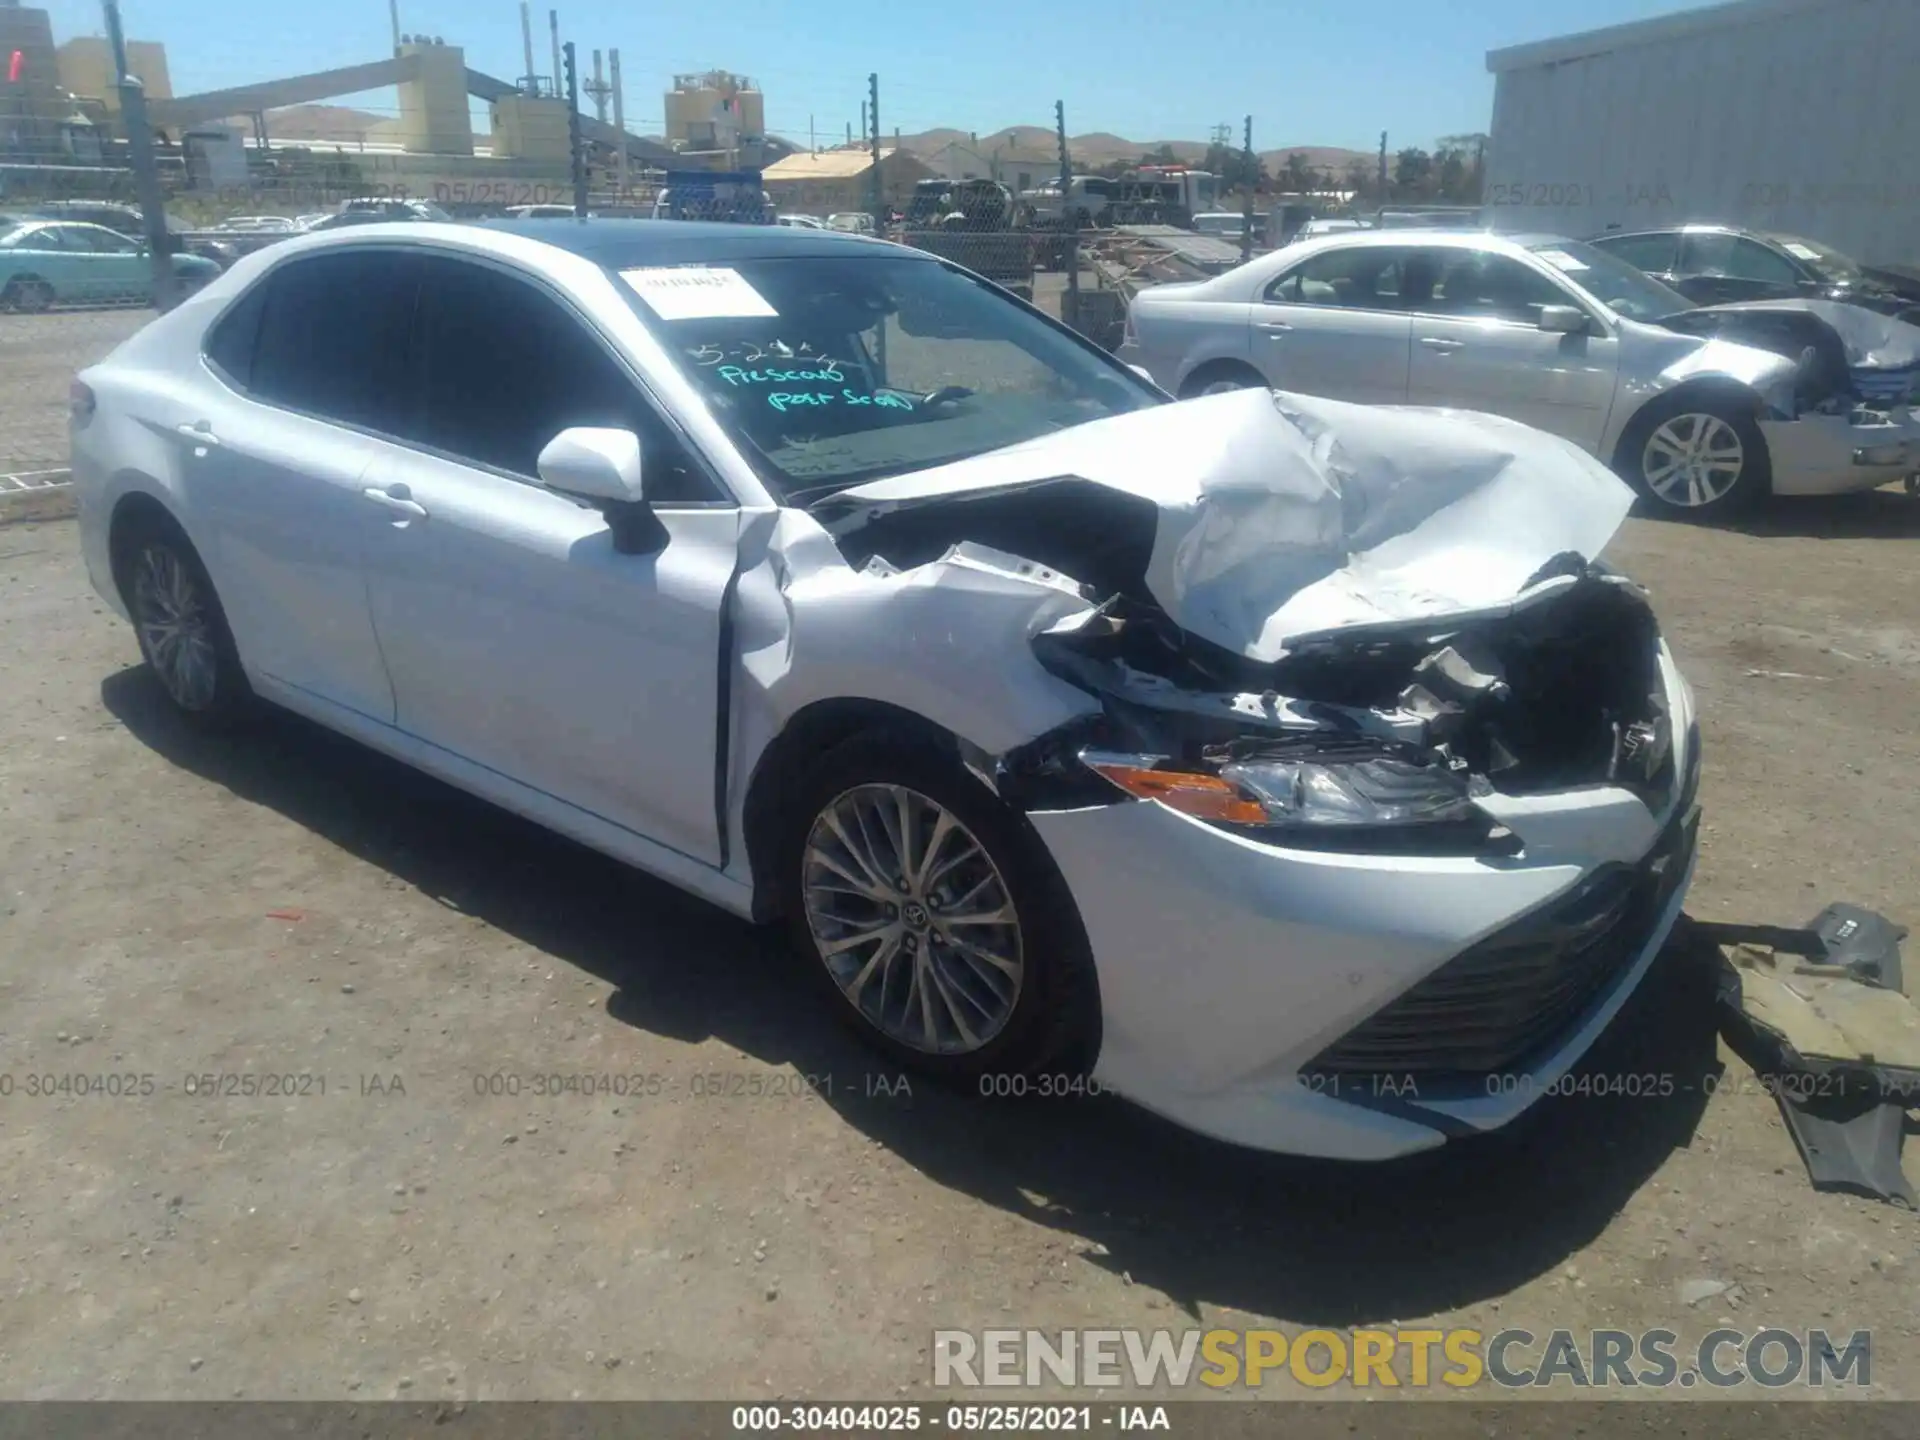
(1412, 174)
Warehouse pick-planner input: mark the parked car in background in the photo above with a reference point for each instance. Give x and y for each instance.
(1543, 329)
(1718, 264)
(1224, 224)
(254, 224)
(825, 582)
(126, 220)
(800, 222)
(1429, 217)
(1330, 225)
(851, 222)
(391, 208)
(46, 263)
(541, 212)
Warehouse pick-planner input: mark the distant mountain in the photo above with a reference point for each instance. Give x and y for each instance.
(1102, 148)
(322, 124)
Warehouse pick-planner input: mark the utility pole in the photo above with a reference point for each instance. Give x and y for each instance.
(873, 145)
(1070, 302)
(393, 14)
(1222, 134)
(146, 176)
(1249, 171)
(1383, 167)
(553, 29)
(574, 144)
(597, 90)
(620, 124)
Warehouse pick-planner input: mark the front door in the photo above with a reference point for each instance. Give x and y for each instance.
(1478, 345)
(517, 637)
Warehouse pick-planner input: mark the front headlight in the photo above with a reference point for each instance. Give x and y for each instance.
(1309, 791)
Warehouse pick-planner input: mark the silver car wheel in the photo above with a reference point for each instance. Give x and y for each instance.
(912, 919)
(176, 632)
(1693, 460)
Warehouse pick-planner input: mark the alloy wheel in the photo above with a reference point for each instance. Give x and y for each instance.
(176, 630)
(912, 919)
(1693, 460)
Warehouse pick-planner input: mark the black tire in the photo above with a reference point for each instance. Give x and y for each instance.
(164, 585)
(1220, 375)
(1682, 497)
(28, 295)
(1052, 1025)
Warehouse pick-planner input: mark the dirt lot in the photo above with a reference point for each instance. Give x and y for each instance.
(38, 356)
(287, 904)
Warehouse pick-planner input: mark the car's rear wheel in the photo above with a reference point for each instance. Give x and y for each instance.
(27, 294)
(934, 915)
(1220, 376)
(180, 625)
(1696, 458)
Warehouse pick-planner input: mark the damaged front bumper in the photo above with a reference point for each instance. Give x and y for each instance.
(1232, 973)
(1819, 454)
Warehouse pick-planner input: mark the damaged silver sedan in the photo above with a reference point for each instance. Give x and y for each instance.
(1294, 768)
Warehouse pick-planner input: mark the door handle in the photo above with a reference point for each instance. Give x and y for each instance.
(403, 506)
(1446, 347)
(200, 432)
(1275, 328)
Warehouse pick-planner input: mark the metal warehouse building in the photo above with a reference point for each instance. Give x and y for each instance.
(1793, 115)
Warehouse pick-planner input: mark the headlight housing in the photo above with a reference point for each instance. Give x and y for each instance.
(1341, 790)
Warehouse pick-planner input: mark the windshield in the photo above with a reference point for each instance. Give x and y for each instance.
(1616, 284)
(1832, 266)
(830, 371)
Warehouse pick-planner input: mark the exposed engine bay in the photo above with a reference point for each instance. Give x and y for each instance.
(1354, 726)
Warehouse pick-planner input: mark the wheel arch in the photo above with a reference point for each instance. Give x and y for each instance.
(136, 513)
(810, 731)
(1704, 390)
(1218, 365)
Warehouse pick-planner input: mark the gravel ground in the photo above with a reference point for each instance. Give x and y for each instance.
(766, 1211)
(38, 356)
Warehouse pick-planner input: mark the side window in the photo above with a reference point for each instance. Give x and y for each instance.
(1476, 284)
(505, 367)
(1652, 253)
(1736, 257)
(231, 342)
(333, 337)
(1363, 277)
(56, 237)
(107, 242)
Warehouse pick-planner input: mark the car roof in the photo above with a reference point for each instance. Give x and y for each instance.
(618, 244)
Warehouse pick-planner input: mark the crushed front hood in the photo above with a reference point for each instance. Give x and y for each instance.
(1282, 516)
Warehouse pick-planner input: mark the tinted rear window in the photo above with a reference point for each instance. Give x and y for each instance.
(334, 334)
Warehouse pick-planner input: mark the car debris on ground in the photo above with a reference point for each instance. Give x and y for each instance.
(1826, 1015)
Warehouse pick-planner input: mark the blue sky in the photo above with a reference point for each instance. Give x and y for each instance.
(1322, 72)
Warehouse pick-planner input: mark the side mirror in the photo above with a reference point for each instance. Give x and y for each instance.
(1563, 319)
(601, 468)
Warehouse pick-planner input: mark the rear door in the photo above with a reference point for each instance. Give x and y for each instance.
(1477, 344)
(310, 365)
(118, 270)
(1336, 325)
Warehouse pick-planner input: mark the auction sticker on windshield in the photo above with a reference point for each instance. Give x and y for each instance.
(697, 292)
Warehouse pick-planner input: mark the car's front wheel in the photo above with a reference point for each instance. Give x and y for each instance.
(181, 627)
(1696, 458)
(934, 915)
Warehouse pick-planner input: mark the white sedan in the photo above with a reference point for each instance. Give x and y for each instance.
(1549, 331)
(1290, 768)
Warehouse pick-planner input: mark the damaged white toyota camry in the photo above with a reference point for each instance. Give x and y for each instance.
(1295, 768)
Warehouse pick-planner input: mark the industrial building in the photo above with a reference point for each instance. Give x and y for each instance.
(1789, 115)
(821, 182)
